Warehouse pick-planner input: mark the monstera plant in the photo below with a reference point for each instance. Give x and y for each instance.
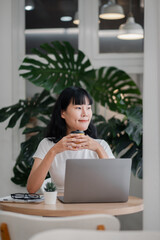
(56, 66)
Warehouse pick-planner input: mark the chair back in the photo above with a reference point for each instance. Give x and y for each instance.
(72, 234)
(21, 226)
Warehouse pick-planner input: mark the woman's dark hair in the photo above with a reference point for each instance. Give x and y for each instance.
(57, 127)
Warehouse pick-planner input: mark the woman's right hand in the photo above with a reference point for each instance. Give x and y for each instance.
(68, 142)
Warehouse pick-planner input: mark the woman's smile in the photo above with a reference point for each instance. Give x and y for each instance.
(83, 120)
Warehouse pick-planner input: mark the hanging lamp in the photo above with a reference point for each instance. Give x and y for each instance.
(76, 19)
(29, 5)
(130, 30)
(111, 11)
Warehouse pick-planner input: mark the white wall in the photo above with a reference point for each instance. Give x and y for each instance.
(152, 116)
(12, 87)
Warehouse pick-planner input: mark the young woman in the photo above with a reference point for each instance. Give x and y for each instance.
(72, 111)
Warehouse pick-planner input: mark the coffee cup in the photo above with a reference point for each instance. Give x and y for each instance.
(78, 132)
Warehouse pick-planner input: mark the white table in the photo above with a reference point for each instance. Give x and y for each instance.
(133, 205)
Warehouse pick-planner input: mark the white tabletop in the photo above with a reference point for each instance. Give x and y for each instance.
(59, 209)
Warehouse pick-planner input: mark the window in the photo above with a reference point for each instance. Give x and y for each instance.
(109, 29)
(49, 21)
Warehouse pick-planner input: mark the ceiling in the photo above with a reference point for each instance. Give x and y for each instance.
(47, 14)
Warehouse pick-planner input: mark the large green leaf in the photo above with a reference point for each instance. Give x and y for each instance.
(59, 66)
(134, 128)
(123, 145)
(40, 104)
(24, 161)
(112, 84)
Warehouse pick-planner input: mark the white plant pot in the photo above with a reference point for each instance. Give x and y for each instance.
(50, 197)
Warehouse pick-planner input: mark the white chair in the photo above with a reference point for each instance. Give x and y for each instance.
(71, 234)
(22, 227)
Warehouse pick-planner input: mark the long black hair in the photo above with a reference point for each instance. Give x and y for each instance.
(57, 127)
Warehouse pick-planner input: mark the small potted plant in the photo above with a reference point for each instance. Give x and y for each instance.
(50, 193)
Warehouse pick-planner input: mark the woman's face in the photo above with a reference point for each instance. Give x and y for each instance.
(77, 117)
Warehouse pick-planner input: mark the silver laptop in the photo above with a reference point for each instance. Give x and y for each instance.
(96, 180)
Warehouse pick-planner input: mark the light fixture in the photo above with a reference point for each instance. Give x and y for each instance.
(66, 18)
(76, 19)
(130, 30)
(111, 11)
(29, 5)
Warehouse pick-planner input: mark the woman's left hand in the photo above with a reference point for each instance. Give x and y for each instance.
(86, 142)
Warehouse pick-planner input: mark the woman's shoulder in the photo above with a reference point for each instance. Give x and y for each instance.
(106, 147)
(47, 141)
(101, 141)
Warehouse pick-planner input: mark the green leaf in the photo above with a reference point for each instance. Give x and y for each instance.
(111, 85)
(134, 128)
(40, 104)
(63, 71)
(25, 119)
(6, 112)
(24, 161)
(14, 119)
(124, 145)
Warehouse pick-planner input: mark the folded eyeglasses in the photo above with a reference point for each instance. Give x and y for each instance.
(25, 196)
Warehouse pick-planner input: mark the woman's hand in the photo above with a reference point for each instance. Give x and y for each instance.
(76, 142)
(86, 142)
(69, 142)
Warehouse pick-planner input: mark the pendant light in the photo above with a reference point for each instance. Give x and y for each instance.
(111, 11)
(76, 19)
(130, 30)
(29, 5)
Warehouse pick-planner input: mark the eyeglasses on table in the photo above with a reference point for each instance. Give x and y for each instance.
(25, 196)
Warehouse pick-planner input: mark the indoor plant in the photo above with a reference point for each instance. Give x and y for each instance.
(50, 193)
(59, 66)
